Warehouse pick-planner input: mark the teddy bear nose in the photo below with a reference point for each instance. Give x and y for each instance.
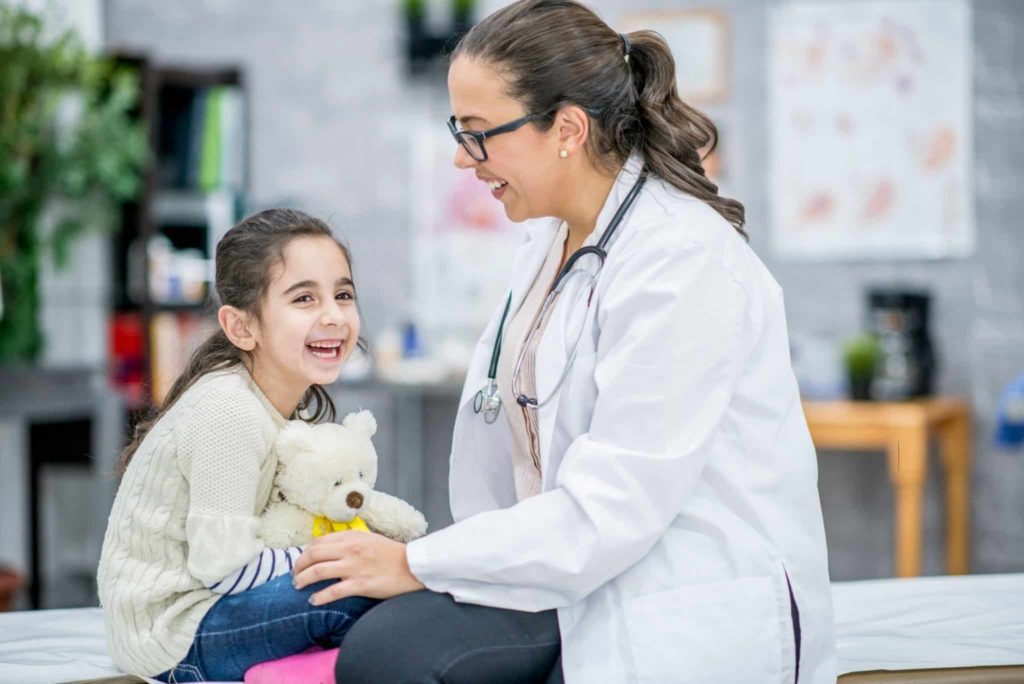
(354, 500)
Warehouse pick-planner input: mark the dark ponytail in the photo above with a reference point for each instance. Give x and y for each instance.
(244, 260)
(555, 53)
(672, 131)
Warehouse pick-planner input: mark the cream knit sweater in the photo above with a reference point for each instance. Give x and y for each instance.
(185, 515)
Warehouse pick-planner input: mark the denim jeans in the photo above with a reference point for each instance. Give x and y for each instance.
(268, 622)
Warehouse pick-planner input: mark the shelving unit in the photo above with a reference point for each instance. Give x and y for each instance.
(194, 190)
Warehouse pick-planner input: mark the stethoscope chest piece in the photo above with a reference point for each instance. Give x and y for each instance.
(488, 402)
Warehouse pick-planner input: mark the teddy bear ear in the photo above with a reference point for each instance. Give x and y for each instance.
(363, 421)
(295, 437)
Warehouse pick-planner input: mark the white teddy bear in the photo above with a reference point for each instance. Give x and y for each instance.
(324, 483)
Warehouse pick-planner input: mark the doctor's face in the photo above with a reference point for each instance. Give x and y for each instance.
(522, 165)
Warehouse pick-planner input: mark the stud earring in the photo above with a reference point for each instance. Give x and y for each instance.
(564, 154)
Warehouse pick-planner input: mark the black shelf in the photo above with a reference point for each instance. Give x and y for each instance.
(172, 204)
(178, 308)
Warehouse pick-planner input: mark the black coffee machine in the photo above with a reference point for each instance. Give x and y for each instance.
(899, 319)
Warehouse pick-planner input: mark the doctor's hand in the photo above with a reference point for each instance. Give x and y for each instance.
(367, 564)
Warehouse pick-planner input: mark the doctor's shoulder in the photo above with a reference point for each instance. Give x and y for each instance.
(686, 223)
(668, 223)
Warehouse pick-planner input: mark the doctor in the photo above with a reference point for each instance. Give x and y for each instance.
(641, 506)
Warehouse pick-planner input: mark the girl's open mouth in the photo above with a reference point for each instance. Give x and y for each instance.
(327, 350)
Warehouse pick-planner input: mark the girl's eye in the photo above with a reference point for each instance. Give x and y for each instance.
(345, 296)
(303, 299)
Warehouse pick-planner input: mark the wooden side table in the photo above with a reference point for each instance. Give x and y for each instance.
(902, 430)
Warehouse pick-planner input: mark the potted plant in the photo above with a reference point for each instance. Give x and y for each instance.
(70, 150)
(861, 356)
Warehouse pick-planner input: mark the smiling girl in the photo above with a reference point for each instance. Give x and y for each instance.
(189, 592)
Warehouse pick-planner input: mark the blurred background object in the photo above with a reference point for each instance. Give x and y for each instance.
(69, 151)
(899, 321)
(1010, 421)
(862, 356)
(10, 582)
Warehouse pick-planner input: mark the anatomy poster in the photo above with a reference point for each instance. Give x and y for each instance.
(870, 121)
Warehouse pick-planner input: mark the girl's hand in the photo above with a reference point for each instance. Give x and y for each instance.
(367, 564)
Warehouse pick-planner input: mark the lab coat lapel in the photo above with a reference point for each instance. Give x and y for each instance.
(553, 350)
(526, 264)
(529, 259)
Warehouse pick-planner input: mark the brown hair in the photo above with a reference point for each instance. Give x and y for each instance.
(245, 257)
(558, 52)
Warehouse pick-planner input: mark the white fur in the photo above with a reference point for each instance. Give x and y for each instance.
(319, 469)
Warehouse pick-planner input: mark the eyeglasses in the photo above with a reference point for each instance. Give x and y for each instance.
(473, 141)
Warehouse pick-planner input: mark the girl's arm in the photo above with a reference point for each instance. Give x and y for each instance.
(222, 444)
(270, 563)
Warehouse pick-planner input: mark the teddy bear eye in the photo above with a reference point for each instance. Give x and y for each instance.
(338, 483)
(360, 474)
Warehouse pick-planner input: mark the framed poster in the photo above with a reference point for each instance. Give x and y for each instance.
(700, 41)
(870, 130)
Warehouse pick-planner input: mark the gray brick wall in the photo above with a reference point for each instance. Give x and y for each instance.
(330, 114)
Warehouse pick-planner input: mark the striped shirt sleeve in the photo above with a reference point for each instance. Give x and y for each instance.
(267, 565)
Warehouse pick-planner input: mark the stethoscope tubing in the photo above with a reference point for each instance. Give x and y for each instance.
(600, 251)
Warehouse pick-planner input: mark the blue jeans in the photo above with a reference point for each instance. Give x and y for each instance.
(268, 622)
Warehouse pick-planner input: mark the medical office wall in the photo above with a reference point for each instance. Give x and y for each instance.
(334, 120)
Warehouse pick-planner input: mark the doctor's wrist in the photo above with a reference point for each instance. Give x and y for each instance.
(414, 582)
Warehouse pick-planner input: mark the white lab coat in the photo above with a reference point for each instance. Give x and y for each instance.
(679, 477)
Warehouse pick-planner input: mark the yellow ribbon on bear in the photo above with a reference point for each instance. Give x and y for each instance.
(323, 525)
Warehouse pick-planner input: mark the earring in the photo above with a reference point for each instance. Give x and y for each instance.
(564, 154)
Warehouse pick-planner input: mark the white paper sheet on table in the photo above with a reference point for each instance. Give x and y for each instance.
(52, 646)
(930, 622)
(892, 624)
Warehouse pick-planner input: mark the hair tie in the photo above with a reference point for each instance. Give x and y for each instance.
(625, 46)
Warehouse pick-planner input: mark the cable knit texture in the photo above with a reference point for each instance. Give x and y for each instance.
(185, 516)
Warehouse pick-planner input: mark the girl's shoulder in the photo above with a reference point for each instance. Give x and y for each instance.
(228, 391)
(223, 411)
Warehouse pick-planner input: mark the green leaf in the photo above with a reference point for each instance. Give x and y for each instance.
(85, 168)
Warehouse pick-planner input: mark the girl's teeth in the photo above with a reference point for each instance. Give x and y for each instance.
(495, 185)
(325, 351)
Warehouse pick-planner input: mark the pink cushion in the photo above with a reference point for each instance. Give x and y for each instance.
(311, 667)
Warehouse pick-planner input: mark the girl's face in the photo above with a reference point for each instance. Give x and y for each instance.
(309, 323)
(525, 161)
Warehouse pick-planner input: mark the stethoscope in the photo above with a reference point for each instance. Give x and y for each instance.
(488, 399)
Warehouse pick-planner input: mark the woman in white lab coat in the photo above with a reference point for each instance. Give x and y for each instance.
(643, 505)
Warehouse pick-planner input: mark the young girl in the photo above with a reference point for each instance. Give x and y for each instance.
(183, 577)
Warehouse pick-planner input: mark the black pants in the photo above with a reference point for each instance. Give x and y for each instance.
(428, 638)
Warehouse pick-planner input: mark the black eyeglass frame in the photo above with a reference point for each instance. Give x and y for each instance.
(480, 136)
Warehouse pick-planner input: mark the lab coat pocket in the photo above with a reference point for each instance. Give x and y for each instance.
(715, 632)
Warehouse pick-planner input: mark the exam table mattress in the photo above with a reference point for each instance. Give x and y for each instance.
(930, 629)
